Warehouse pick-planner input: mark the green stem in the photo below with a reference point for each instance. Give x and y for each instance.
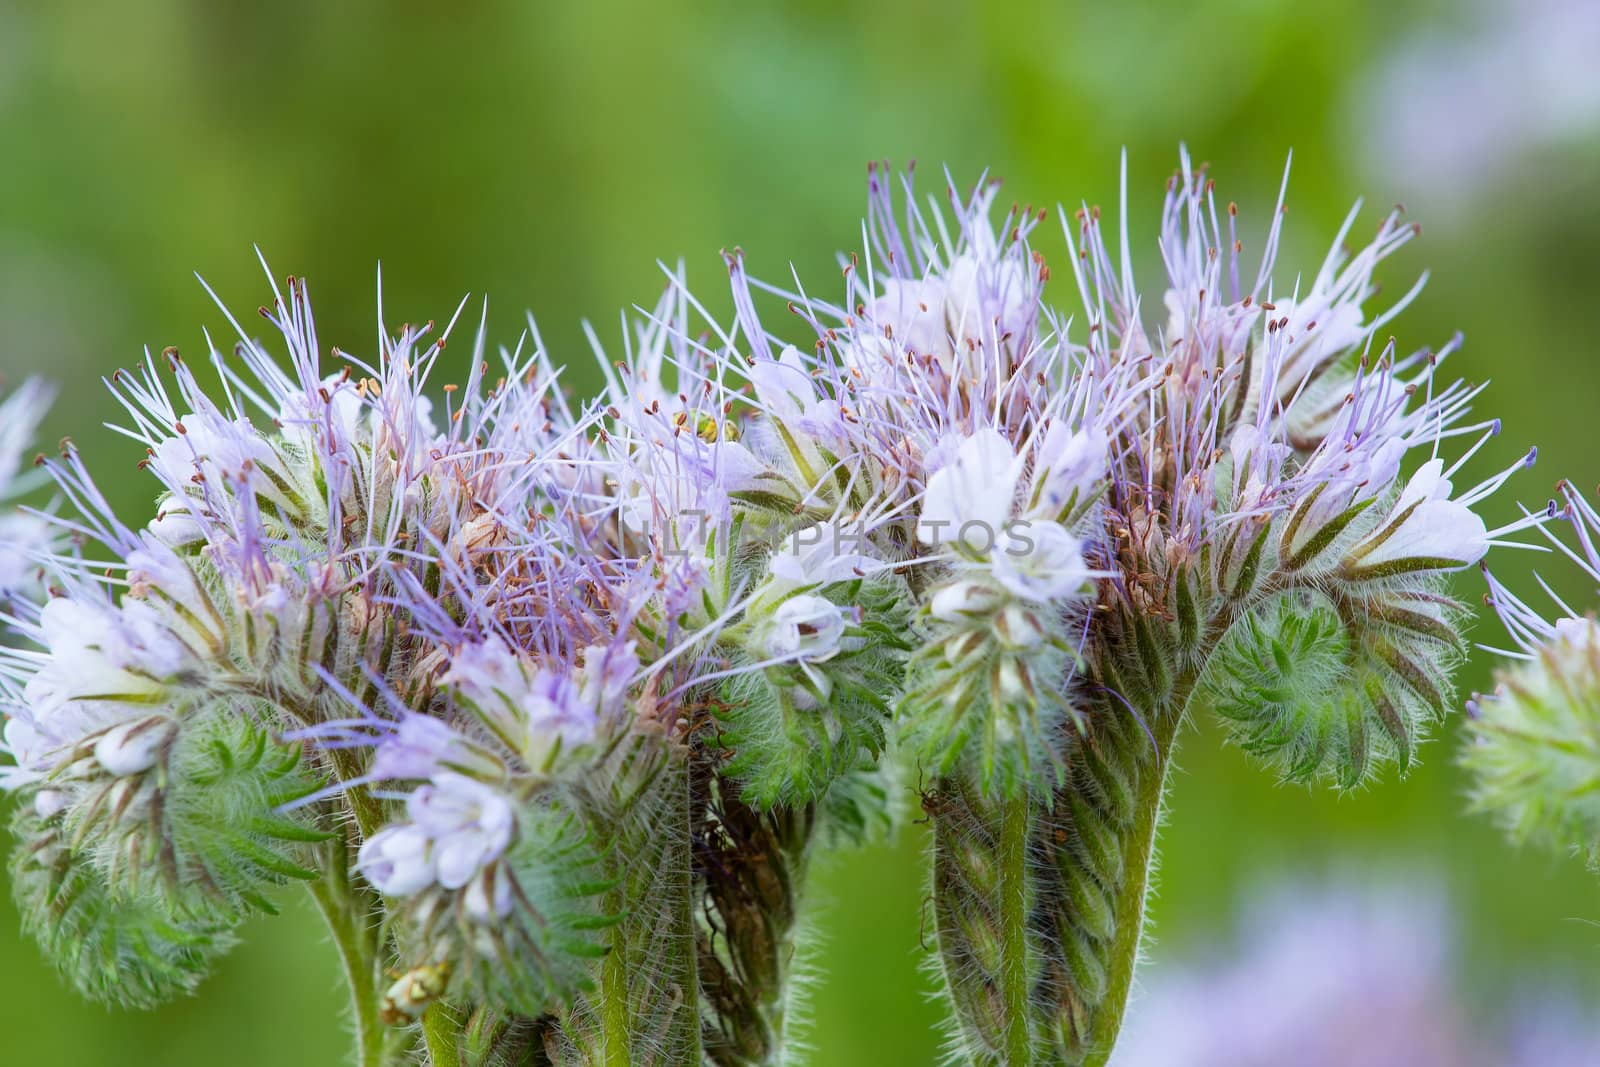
(1014, 971)
(643, 1007)
(615, 1023)
(984, 893)
(351, 913)
(441, 1033)
(1129, 904)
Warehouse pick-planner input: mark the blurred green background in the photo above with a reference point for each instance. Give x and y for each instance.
(547, 155)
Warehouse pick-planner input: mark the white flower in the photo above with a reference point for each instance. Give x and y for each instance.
(821, 555)
(22, 741)
(785, 389)
(1224, 329)
(988, 299)
(1426, 526)
(133, 747)
(108, 667)
(1067, 465)
(98, 639)
(398, 860)
(970, 498)
(1577, 631)
(458, 827)
(47, 802)
(963, 600)
(976, 301)
(213, 448)
(468, 822)
(1043, 562)
(807, 628)
(913, 309)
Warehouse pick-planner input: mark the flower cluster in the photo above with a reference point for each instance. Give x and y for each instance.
(1535, 750)
(550, 701)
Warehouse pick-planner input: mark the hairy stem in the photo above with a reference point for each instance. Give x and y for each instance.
(353, 914)
(1139, 850)
(615, 1022)
(1096, 853)
(441, 1033)
(1014, 967)
(644, 1011)
(983, 893)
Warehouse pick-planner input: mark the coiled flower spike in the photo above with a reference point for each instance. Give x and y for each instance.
(550, 703)
(1534, 741)
(1217, 511)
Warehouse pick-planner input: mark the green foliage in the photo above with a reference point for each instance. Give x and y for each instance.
(135, 885)
(1332, 685)
(117, 948)
(793, 729)
(203, 829)
(1535, 748)
(986, 697)
(863, 805)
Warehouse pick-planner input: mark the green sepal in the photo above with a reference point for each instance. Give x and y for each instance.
(114, 948)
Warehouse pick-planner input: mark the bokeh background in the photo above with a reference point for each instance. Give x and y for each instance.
(548, 154)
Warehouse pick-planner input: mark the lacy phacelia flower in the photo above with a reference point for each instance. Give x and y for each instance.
(806, 628)
(577, 688)
(533, 710)
(457, 828)
(1534, 745)
(329, 542)
(1105, 525)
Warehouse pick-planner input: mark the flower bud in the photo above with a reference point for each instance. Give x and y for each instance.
(808, 628)
(48, 802)
(1018, 628)
(1534, 750)
(1014, 688)
(133, 747)
(397, 860)
(488, 897)
(963, 601)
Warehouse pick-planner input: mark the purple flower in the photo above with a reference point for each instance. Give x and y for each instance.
(1339, 974)
(534, 710)
(416, 748)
